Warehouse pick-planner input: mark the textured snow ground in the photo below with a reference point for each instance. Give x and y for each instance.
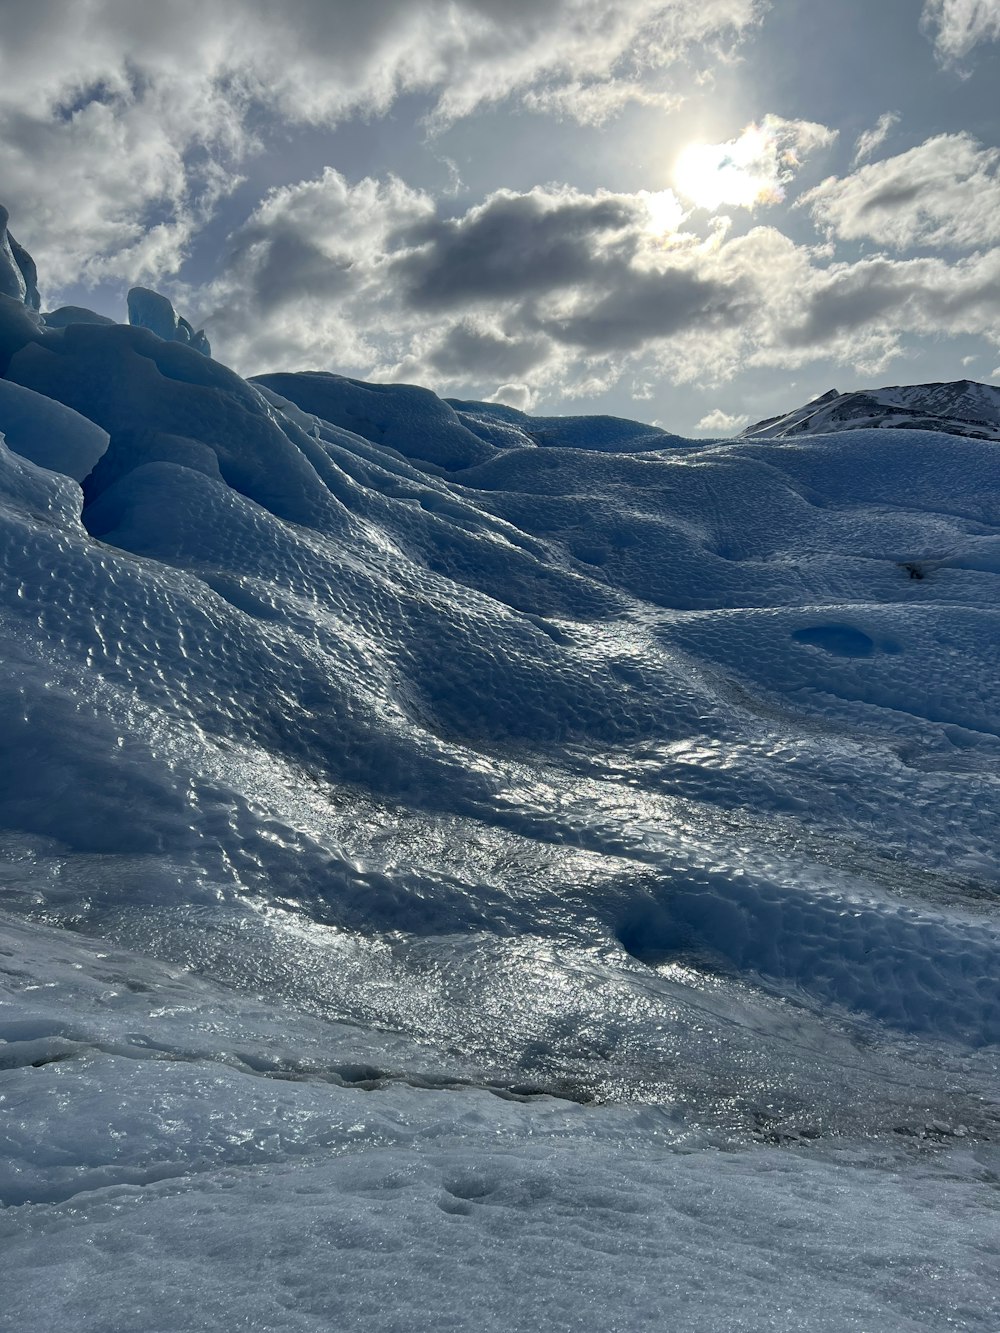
(466, 871)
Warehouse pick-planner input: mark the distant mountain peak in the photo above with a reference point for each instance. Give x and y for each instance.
(956, 407)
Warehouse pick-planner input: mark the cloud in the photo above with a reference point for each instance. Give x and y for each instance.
(860, 312)
(640, 307)
(305, 281)
(754, 168)
(558, 292)
(720, 423)
(470, 349)
(514, 395)
(512, 246)
(872, 139)
(371, 279)
(959, 25)
(123, 125)
(597, 103)
(946, 192)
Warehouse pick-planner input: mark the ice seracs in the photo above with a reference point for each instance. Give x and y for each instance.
(150, 310)
(18, 275)
(48, 433)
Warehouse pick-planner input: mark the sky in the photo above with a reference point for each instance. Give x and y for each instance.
(696, 213)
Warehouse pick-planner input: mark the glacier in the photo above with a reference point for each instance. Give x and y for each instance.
(466, 869)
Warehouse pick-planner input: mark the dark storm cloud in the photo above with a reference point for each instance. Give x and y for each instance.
(889, 297)
(290, 266)
(516, 250)
(468, 350)
(515, 246)
(849, 301)
(644, 307)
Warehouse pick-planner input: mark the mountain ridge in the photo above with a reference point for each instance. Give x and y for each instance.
(956, 407)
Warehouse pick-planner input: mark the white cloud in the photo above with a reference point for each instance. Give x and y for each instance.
(555, 290)
(946, 192)
(306, 284)
(859, 313)
(597, 103)
(873, 139)
(720, 423)
(959, 25)
(754, 168)
(514, 395)
(118, 119)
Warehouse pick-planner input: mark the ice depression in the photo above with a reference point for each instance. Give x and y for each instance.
(505, 869)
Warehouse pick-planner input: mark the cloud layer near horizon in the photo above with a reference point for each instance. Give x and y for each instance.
(555, 286)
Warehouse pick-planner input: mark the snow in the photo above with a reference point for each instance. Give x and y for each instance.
(171, 1164)
(463, 868)
(963, 407)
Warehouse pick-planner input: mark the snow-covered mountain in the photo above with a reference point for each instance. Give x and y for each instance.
(462, 870)
(963, 407)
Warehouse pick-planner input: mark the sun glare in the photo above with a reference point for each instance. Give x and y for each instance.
(740, 173)
(666, 213)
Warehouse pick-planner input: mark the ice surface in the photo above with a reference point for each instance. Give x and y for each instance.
(74, 314)
(464, 868)
(402, 417)
(181, 1156)
(18, 275)
(49, 434)
(150, 310)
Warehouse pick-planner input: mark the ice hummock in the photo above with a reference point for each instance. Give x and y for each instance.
(18, 275)
(484, 869)
(150, 310)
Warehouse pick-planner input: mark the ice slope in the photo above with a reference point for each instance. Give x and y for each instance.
(461, 869)
(48, 434)
(963, 407)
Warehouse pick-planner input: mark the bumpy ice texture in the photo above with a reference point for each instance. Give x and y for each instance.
(433, 835)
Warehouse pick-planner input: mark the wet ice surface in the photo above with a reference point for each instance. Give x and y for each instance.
(452, 876)
(185, 1156)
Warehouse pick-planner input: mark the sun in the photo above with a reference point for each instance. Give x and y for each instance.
(738, 174)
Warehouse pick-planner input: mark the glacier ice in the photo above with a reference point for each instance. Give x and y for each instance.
(486, 869)
(74, 314)
(149, 310)
(18, 275)
(49, 434)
